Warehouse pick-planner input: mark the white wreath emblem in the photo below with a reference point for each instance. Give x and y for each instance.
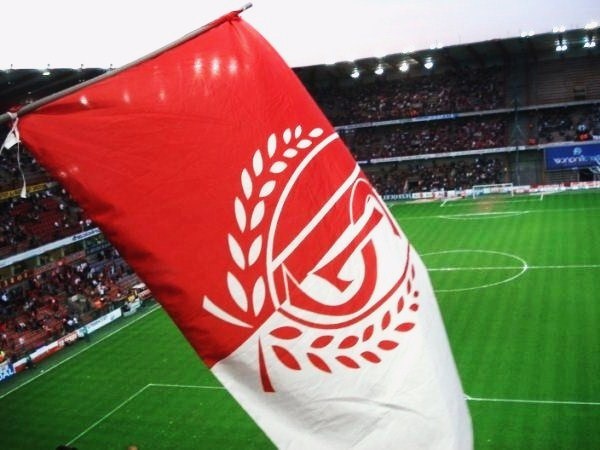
(249, 214)
(378, 333)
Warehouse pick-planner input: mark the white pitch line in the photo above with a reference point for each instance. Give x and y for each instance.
(484, 215)
(134, 395)
(495, 202)
(560, 267)
(467, 397)
(108, 414)
(523, 268)
(187, 386)
(568, 266)
(25, 383)
(458, 269)
(520, 400)
(531, 211)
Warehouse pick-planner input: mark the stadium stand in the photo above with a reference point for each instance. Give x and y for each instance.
(432, 176)
(426, 138)
(449, 128)
(562, 80)
(506, 100)
(42, 217)
(559, 125)
(455, 91)
(11, 164)
(57, 298)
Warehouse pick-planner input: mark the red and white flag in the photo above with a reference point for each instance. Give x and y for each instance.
(224, 186)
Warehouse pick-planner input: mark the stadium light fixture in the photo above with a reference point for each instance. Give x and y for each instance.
(561, 45)
(404, 66)
(591, 25)
(526, 34)
(46, 71)
(379, 69)
(559, 29)
(589, 42)
(355, 73)
(428, 63)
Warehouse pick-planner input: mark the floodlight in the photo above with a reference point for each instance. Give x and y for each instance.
(561, 45)
(591, 25)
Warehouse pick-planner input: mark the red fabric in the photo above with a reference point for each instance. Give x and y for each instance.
(155, 155)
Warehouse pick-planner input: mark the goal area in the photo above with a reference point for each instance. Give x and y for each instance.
(493, 189)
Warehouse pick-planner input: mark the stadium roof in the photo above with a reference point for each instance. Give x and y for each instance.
(560, 45)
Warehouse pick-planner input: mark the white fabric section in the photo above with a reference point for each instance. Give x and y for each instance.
(411, 399)
(13, 137)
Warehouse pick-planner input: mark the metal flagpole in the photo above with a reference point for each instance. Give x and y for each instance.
(50, 98)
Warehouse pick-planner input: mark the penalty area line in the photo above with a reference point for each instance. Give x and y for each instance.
(527, 401)
(108, 414)
(132, 397)
(186, 386)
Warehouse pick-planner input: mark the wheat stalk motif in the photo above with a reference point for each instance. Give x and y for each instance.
(257, 182)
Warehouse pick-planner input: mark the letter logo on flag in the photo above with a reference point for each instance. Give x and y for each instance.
(344, 291)
(223, 185)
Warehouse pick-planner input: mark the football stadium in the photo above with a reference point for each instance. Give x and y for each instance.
(486, 156)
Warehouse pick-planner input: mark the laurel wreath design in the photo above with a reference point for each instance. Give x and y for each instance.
(258, 182)
(352, 350)
(246, 285)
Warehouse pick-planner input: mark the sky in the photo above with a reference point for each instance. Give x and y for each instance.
(72, 33)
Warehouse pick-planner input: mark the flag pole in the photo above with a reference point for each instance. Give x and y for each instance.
(50, 98)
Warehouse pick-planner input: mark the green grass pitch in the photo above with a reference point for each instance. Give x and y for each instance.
(517, 280)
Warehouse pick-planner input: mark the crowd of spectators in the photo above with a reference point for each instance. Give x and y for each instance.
(42, 217)
(473, 133)
(54, 302)
(565, 124)
(16, 164)
(391, 179)
(45, 304)
(453, 91)
(426, 138)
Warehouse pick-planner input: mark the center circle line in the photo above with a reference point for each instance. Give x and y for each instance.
(523, 268)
